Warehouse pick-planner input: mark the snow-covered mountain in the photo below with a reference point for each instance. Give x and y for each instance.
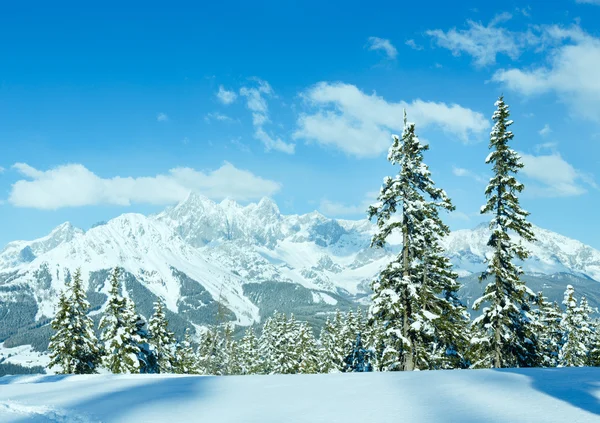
(203, 257)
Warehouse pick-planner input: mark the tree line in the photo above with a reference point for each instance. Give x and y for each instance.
(415, 320)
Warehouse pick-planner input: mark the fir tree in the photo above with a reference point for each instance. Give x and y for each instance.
(74, 346)
(162, 340)
(249, 357)
(306, 348)
(186, 361)
(360, 358)
(210, 353)
(507, 338)
(399, 300)
(548, 316)
(333, 345)
(231, 359)
(573, 351)
(118, 331)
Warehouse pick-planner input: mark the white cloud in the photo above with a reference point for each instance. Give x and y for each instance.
(2, 169)
(73, 185)
(360, 124)
(462, 172)
(546, 146)
(553, 176)
(218, 116)
(332, 208)
(225, 96)
(411, 43)
(545, 130)
(571, 72)
(376, 43)
(162, 117)
(483, 42)
(257, 104)
(597, 2)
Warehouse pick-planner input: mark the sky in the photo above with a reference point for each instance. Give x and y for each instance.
(125, 107)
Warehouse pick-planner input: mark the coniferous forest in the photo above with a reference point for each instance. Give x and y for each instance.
(415, 320)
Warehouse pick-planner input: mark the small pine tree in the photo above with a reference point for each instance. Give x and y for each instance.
(573, 350)
(162, 340)
(74, 344)
(306, 349)
(210, 353)
(231, 359)
(186, 361)
(333, 345)
(507, 336)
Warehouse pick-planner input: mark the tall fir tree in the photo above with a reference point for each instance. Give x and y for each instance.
(507, 338)
(74, 346)
(332, 345)
(306, 349)
(399, 299)
(162, 340)
(573, 350)
(210, 352)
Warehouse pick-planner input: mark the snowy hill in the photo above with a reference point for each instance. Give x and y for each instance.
(468, 396)
(249, 259)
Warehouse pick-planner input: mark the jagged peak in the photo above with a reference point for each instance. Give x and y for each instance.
(267, 204)
(228, 203)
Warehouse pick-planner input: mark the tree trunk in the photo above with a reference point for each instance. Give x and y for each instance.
(409, 349)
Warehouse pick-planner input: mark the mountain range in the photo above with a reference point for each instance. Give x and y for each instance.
(212, 262)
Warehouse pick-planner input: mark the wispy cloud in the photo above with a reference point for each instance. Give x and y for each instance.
(219, 117)
(554, 177)
(333, 208)
(483, 42)
(344, 117)
(257, 104)
(596, 2)
(462, 172)
(73, 185)
(162, 117)
(376, 43)
(412, 44)
(225, 96)
(545, 130)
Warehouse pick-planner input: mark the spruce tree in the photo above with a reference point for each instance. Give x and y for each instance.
(60, 342)
(118, 331)
(573, 351)
(162, 340)
(548, 316)
(360, 358)
(306, 349)
(74, 344)
(507, 338)
(186, 361)
(399, 301)
(231, 359)
(210, 352)
(332, 345)
(249, 357)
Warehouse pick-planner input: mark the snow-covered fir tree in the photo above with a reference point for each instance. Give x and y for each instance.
(507, 338)
(162, 340)
(332, 345)
(573, 351)
(360, 358)
(400, 303)
(548, 316)
(186, 361)
(250, 361)
(146, 357)
(210, 352)
(587, 328)
(306, 348)
(118, 331)
(74, 346)
(231, 359)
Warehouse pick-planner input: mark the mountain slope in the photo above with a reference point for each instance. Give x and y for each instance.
(201, 257)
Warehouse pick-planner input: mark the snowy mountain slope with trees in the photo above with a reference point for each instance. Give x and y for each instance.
(251, 259)
(511, 396)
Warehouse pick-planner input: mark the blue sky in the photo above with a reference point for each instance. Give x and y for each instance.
(125, 108)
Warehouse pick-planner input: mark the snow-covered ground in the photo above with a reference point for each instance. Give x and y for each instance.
(527, 395)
